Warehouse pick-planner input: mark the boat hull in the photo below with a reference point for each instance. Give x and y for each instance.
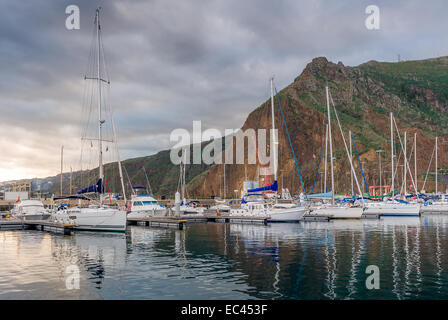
(434, 209)
(147, 213)
(339, 212)
(395, 211)
(36, 216)
(99, 219)
(286, 214)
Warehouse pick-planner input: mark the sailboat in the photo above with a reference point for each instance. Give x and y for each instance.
(332, 210)
(436, 203)
(98, 217)
(392, 206)
(253, 203)
(186, 207)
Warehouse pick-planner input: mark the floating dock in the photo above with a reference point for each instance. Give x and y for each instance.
(165, 222)
(371, 215)
(433, 210)
(41, 225)
(180, 221)
(308, 217)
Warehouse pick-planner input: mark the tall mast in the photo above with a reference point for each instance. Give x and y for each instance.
(405, 163)
(351, 157)
(273, 130)
(183, 176)
(100, 121)
(415, 162)
(224, 174)
(326, 154)
(331, 147)
(436, 165)
(62, 164)
(392, 152)
(120, 170)
(71, 173)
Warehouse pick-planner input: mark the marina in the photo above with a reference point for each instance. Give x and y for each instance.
(223, 151)
(307, 261)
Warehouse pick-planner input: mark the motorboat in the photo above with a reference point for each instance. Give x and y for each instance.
(143, 205)
(30, 210)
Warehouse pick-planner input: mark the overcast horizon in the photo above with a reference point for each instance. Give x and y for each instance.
(173, 62)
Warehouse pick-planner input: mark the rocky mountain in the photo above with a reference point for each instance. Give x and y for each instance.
(415, 91)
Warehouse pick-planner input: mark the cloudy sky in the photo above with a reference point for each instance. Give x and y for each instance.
(172, 62)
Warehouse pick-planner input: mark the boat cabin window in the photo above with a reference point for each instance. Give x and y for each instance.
(149, 202)
(137, 203)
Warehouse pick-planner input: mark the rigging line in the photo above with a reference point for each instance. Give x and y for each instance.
(89, 68)
(318, 165)
(147, 181)
(345, 144)
(398, 164)
(407, 163)
(290, 143)
(127, 175)
(429, 166)
(360, 166)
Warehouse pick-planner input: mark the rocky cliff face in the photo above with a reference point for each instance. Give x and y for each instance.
(415, 91)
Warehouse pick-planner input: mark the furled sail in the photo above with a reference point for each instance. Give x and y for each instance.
(97, 188)
(272, 187)
(325, 195)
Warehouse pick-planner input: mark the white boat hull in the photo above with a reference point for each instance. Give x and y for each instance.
(439, 208)
(36, 216)
(98, 219)
(394, 210)
(286, 214)
(339, 212)
(294, 214)
(147, 213)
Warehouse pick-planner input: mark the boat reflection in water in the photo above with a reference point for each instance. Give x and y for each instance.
(310, 260)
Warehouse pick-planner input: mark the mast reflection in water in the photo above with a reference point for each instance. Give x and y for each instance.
(314, 260)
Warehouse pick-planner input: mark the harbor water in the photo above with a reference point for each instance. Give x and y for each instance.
(309, 260)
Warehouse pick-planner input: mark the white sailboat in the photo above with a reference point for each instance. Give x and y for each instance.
(187, 207)
(257, 206)
(332, 210)
(392, 206)
(99, 217)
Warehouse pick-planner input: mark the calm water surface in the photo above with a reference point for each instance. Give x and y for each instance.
(312, 260)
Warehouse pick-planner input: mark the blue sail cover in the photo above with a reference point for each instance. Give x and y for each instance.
(326, 195)
(272, 187)
(97, 188)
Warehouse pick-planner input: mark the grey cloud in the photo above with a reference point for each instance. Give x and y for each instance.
(172, 62)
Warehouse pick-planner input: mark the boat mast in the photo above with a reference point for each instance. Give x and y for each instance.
(62, 163)
(351, 157)
(392, 152)
(405, 164)
(100, 121)
(415, 162)
(326, 155)
(331, 147)
(183, 175)
(224, 175)
(274, 147)
(437, 138)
